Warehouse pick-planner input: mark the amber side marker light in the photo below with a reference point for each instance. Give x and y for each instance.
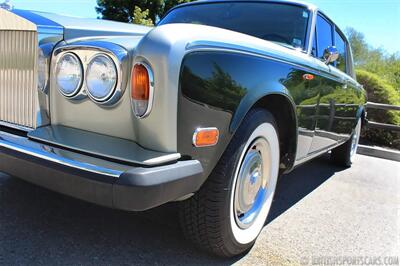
(205, 137)
(308, 76)
(142, 89)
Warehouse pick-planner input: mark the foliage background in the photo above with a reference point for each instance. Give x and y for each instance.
(379, 73)
(145, 12)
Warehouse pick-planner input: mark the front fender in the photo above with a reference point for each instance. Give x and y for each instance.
(217, 89)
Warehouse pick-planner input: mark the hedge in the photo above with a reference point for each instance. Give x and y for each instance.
(380, 91)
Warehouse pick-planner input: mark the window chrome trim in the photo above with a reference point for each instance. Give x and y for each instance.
(312, 31)
(151, 89)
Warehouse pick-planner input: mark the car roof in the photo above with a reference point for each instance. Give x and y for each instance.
(293, 2)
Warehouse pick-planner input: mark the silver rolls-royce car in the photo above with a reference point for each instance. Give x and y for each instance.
(207, 108)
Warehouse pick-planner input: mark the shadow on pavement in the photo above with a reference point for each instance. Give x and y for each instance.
(299, 183)
(41, 227)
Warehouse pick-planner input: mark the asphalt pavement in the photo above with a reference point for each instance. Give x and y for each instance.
(320, 213)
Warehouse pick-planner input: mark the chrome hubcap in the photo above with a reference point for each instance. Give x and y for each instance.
(251, 186)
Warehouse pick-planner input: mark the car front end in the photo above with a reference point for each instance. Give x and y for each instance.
(70, 120)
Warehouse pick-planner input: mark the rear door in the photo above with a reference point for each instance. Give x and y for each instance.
(346, 97)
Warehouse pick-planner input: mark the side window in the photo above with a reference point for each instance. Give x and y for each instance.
(324, 36)
(341, 46)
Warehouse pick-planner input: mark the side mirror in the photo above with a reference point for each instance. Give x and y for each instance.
(331, 54)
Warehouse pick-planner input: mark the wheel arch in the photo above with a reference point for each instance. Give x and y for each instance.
(283, 110)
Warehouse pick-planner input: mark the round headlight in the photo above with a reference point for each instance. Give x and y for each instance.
(69, 74)
(101, 78)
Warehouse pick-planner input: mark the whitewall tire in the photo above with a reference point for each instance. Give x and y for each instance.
(269, 153)
(228, 213)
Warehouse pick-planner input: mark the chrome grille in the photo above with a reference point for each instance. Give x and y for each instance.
(18, 77)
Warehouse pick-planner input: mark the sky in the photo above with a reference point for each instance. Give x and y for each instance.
(379, 20)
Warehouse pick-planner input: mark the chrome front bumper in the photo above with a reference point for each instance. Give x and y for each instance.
(97, 180)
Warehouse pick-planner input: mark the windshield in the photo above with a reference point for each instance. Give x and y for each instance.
(282, 23)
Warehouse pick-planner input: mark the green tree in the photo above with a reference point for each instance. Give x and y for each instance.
(141, 17)
(124, 10)
(374, 60)
(359, 46)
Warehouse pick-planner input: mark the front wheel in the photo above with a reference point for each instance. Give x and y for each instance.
(226, 216)
(344, 154)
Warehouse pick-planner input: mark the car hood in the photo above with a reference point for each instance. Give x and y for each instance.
(74, 27)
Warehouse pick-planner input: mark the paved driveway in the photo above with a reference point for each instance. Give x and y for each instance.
(320, 210)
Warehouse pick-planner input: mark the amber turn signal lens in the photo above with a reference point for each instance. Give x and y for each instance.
(308, 76)
(142, 89)
(140, 83)
(204, 137)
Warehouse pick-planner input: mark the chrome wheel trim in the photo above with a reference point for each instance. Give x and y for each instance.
(355, 139)
(252, 181)
(247, 234)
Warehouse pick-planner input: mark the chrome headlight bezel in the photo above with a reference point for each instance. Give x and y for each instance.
(86, 52)
(109, 95)
(78, 87)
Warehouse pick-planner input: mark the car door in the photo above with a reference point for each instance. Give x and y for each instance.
(348, 97)
(331, 118)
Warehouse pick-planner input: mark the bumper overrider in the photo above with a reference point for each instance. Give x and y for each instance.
(127, 186)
